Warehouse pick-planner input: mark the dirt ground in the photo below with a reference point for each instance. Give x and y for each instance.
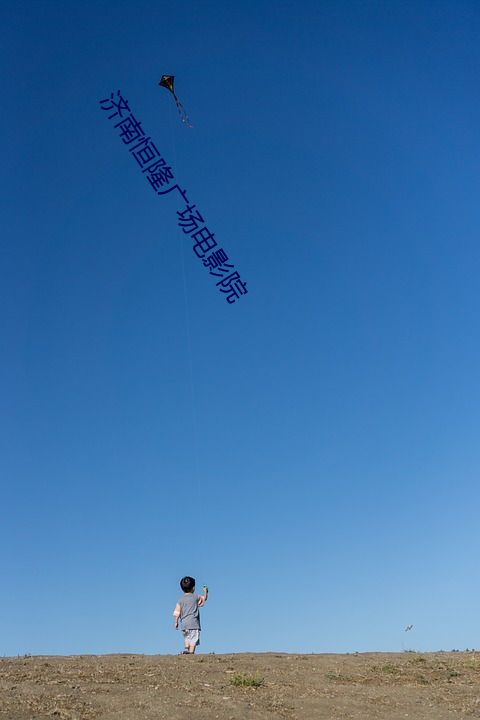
(176, 687)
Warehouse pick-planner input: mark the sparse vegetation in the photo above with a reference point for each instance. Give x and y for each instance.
(418, 659)
(473, 665)
(247, 680)
(331, 676)
(340, 678)
(385, 668)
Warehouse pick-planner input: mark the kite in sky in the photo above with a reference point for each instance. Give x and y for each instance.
(408, 628)
(167, 82)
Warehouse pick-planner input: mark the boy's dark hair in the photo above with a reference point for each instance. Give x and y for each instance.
(187, 584)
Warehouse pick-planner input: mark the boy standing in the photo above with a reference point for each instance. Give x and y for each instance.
(187, 610)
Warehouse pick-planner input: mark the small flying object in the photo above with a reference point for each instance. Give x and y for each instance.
(167, 82)
(409, 627)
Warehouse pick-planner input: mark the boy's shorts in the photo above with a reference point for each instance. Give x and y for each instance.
(191, 637)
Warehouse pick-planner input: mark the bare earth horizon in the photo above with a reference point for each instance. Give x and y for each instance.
(244, 686)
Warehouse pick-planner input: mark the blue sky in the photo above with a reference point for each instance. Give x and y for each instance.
(322, 477)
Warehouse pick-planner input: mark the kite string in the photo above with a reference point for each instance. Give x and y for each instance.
(189, 348)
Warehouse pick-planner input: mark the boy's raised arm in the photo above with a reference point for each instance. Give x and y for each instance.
(202, 599)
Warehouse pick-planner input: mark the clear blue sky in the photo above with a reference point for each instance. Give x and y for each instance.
(335, 154)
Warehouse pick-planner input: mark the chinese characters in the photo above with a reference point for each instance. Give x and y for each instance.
(159, 175)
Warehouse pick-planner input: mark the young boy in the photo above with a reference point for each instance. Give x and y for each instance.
(187, 610)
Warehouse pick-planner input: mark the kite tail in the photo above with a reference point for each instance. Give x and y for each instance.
(182, 112)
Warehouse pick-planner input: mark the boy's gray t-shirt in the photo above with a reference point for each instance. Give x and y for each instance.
(189, 614)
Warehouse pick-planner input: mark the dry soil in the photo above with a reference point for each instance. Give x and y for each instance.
(436, 686)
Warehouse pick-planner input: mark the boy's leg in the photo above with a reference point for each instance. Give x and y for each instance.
(196, 641)
(191, 641)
